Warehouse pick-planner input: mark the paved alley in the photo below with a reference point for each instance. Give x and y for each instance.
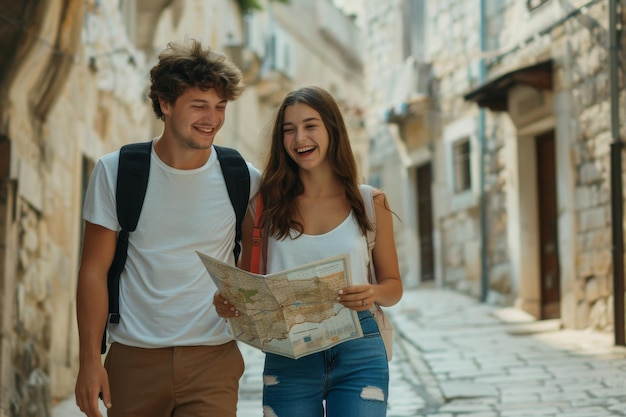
(474, 360)
(456, 357)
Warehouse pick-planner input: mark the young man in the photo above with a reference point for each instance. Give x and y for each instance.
(170, 354)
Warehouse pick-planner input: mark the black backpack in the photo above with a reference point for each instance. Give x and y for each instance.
(132, 182)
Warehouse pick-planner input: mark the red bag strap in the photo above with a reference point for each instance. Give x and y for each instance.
(257, 237)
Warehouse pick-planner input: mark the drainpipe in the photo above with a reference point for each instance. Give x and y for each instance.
(484, 277)
(617, 199)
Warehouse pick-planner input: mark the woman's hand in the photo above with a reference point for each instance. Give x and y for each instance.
(223, 307)
(357, 297)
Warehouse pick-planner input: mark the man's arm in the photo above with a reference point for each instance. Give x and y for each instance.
(92, 306)
(222, 306)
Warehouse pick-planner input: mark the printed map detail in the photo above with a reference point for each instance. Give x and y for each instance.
(291, 313)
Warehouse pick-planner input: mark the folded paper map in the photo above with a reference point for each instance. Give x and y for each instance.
(291, 313)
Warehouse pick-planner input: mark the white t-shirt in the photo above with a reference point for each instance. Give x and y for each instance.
(346, 238)
(166, 294)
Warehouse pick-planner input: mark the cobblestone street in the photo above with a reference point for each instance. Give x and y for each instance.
(459, 357)
(456, 357)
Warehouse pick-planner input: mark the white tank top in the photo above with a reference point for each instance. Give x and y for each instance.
(346, 238)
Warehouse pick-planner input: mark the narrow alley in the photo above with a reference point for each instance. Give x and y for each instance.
(459, 357)
(456, 357)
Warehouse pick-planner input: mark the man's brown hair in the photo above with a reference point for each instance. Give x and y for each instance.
(185, 65)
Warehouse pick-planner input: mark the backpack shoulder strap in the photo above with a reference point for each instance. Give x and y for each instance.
(367, 192)
(237, 178)
(132, 182)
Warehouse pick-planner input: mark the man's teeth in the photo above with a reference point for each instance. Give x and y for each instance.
(205, 130)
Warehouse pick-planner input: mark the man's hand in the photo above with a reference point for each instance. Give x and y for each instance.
(92, 384)
(223, 307)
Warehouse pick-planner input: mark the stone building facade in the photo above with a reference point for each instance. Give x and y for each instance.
(73, 86)
(546, 96)
(501, 147)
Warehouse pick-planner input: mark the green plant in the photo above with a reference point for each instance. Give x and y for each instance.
(248, 6)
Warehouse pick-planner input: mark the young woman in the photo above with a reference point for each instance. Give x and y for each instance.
(313, 210)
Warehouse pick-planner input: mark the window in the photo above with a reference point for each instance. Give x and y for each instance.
(279, 52)
(414, 42)
(498, 11)
(462, 169)
(128, 10)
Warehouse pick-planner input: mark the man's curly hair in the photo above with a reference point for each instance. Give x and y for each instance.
(185, 65)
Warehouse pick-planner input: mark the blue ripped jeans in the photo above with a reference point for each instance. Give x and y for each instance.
(353, 378)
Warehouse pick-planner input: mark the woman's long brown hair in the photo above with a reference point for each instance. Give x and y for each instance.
(281, 184)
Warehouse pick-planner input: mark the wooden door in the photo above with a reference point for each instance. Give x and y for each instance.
(548, 226)
(425, 222)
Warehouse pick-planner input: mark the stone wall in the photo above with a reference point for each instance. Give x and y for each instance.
(99, 106)
(590, 150)
(99, 103)
(578, 47)
(453, 45)
(32, 319)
